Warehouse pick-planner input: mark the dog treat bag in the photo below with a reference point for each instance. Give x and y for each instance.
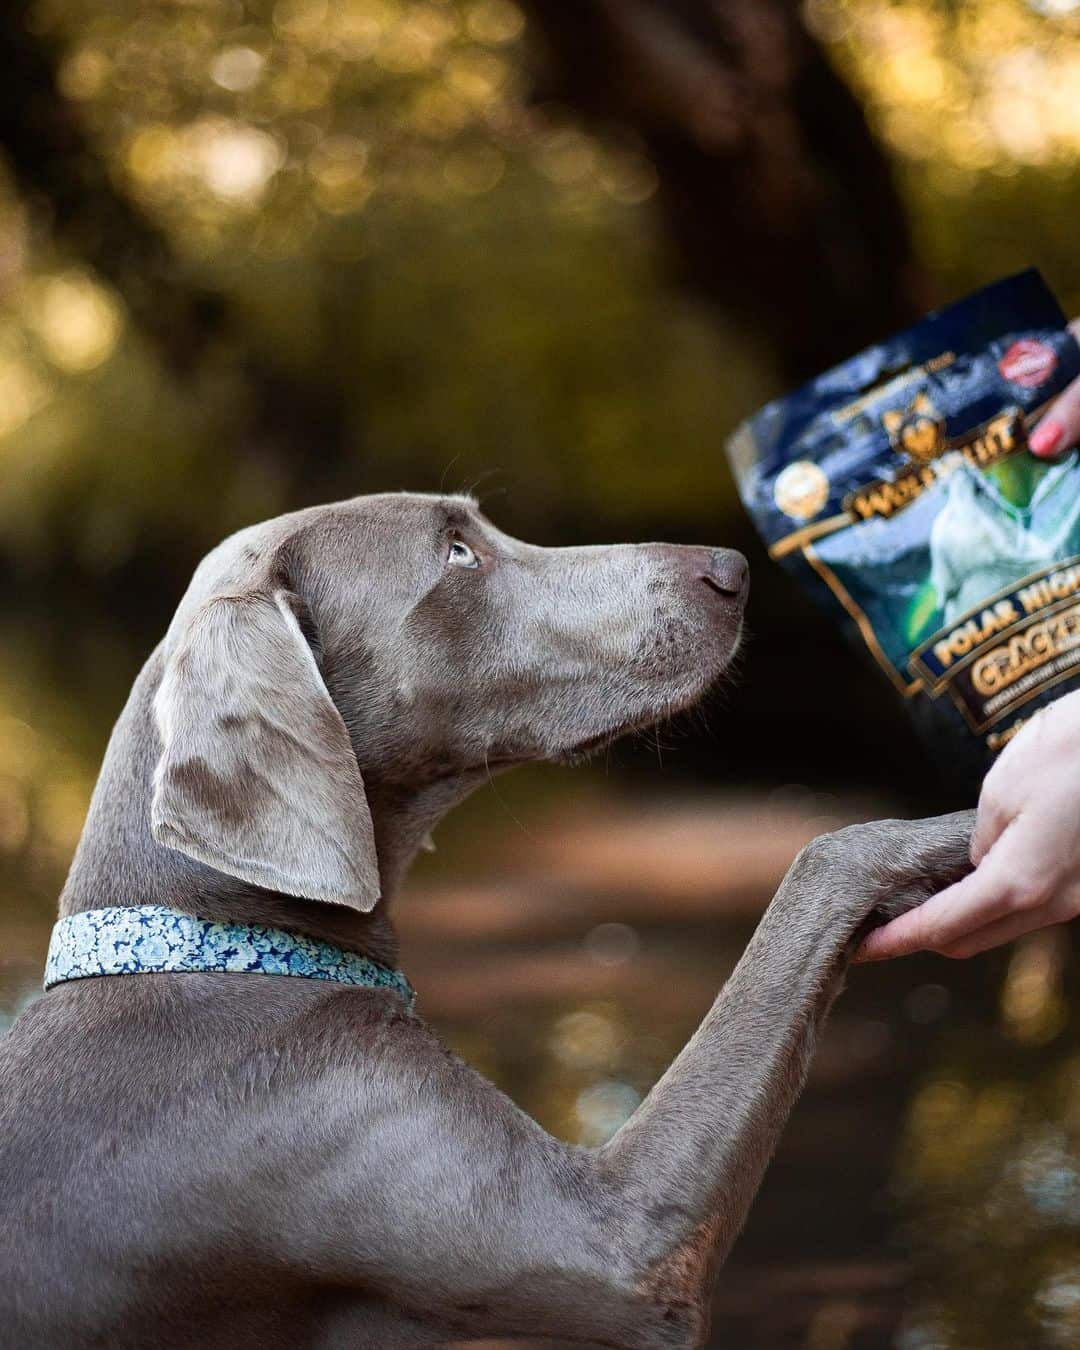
(899, 489)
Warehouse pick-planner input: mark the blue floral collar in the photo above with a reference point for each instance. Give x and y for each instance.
(152, 938)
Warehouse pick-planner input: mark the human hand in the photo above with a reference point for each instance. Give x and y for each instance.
(1059, 427)
(1026, 850)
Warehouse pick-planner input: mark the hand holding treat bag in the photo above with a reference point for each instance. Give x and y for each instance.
(900, 489)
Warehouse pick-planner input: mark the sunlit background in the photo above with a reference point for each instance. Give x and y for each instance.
(257, 254)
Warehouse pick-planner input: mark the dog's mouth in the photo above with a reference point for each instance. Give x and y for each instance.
(593, 745)
(597, 742)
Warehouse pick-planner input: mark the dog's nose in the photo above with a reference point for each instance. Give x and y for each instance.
(726, 571)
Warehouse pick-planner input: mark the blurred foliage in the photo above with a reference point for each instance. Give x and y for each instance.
(989, 1170)
(979, 105)
(470, 275)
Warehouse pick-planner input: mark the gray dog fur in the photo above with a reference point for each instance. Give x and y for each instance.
(208, 1160)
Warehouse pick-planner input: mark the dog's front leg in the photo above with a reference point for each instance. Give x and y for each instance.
(691, 1158)
(460, 1210)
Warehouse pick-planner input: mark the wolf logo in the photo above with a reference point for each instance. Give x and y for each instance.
(918, 430)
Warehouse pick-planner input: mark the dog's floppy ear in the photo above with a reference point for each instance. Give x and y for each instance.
(257, 776)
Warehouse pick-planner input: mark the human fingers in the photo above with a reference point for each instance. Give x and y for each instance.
(991, 819)
(999, 933)
(989, 894)
(915, 931)
(1059, 428)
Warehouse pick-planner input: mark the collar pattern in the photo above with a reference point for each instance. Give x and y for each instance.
(147, 939)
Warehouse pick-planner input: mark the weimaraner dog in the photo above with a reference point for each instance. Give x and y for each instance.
(209, 1159)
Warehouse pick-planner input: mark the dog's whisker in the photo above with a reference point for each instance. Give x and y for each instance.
(450, 464)
(504, 803)
(472, 488)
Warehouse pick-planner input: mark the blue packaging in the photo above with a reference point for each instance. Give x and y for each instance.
(898, 488)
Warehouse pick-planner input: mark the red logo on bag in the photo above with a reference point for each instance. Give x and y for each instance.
(1028, 362)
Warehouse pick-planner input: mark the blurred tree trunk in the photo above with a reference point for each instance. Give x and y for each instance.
(777, 202)
(297, 428)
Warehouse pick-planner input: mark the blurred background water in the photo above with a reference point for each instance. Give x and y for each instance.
(257, 254)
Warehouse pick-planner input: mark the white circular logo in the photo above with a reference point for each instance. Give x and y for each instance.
(801, 490)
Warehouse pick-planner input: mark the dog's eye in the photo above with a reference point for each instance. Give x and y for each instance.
(461, 555)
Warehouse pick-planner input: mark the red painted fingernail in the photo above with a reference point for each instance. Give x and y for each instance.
(1046, 438)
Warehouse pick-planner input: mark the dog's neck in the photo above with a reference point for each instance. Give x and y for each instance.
(118, 862)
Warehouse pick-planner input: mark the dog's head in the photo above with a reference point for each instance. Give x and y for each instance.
(403, 642)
